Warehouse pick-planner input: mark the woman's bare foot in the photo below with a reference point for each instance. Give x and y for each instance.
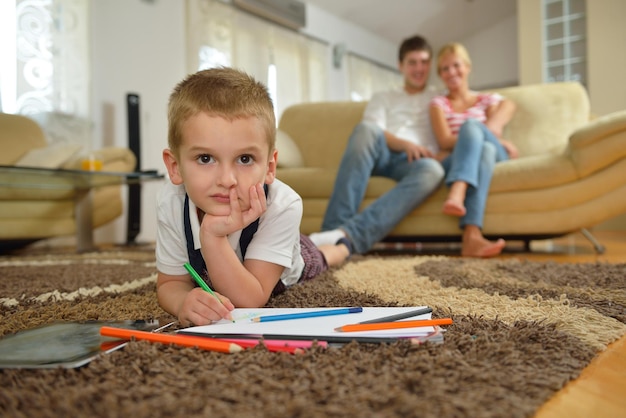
(453, 208)
(475, 245)
(453, 205)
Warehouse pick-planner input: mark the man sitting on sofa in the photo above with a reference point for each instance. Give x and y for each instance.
(393, 140)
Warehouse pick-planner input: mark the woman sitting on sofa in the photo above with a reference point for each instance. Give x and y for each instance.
(468, 126)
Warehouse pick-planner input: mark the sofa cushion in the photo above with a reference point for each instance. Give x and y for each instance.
(18, 135)
(321, 129)
(289, 155)
(535, 172)
(52, 156)
(116, 159)
(546, 115)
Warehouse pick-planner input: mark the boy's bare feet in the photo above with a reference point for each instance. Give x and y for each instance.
(453, 208)
(475, 245)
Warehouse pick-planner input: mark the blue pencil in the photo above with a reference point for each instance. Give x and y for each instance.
(325, 312)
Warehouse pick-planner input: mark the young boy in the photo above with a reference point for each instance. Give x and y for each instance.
(223, 210)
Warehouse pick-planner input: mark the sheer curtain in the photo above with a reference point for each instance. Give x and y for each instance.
(367, 77)
(293, 66)
(45, 62)
(45, 66)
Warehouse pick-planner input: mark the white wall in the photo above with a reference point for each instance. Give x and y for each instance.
(606, 58)
(139, 47)
(606, 55)
(494, 56)
(324, 26)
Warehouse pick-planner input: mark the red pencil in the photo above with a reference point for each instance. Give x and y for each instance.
(288, 346)
(182, 340)
(394, 325)
(249, 343)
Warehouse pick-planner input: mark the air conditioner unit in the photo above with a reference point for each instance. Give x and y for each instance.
(290, 13)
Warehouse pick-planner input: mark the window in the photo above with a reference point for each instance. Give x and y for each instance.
(565, 46)
(44, 64)
(293, 66)
(367, 77)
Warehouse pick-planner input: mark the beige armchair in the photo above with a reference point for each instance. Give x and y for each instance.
(30, 214)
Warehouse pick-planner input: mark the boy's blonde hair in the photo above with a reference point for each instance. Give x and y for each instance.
(223, 92)
(456, 49)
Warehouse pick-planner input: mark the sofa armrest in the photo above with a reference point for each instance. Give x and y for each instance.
(599, 144)
(116, 159)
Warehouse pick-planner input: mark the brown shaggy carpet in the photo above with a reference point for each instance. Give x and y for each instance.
(521, 331)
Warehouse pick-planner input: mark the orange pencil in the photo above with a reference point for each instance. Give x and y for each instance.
(394, 325)
(182, 340)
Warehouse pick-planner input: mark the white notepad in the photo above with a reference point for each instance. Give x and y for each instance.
(320, 328)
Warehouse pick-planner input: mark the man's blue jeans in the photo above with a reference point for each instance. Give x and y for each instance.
(472, 160)
(367, 155)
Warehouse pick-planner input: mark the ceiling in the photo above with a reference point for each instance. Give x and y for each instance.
(440, 21)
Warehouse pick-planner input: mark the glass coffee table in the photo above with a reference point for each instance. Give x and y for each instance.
(77, 183)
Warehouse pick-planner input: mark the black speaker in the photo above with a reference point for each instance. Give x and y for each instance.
(134, 190)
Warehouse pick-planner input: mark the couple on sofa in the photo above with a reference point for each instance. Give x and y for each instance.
(416, 137)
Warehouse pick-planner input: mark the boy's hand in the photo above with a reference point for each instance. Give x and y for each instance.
(221, 226)
(201, 308)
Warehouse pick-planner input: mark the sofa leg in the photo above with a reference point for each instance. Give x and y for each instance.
(599, 247)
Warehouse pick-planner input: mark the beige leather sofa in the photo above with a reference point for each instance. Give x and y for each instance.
(31, 214)
(571, 174)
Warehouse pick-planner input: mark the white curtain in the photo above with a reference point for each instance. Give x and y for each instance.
(45, 64)
(367, 77)
(293, 66)
(45, 68)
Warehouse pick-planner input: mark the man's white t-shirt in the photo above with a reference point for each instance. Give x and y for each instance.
(277, 240)
(407, 116)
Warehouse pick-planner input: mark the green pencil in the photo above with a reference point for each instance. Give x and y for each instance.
(199, 280)
(202, 283)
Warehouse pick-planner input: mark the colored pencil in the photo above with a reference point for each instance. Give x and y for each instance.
(272, 346)
(276, 345)
(182, 340)
(397, 317)
(311, 314)
(198, 279)
(394, 325)
(330, 339)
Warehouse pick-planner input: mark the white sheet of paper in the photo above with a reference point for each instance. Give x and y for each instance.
(322, 326)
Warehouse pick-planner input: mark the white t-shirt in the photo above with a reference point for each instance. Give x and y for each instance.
(404, 115)
(277, 239)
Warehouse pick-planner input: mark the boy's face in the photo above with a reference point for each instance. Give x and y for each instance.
(217, 155)
(415, 67)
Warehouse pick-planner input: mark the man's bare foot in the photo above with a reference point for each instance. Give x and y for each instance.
(483, 248)
(453, 208)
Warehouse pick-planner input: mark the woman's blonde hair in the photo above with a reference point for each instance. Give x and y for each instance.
(456, 49)
(223, 92)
